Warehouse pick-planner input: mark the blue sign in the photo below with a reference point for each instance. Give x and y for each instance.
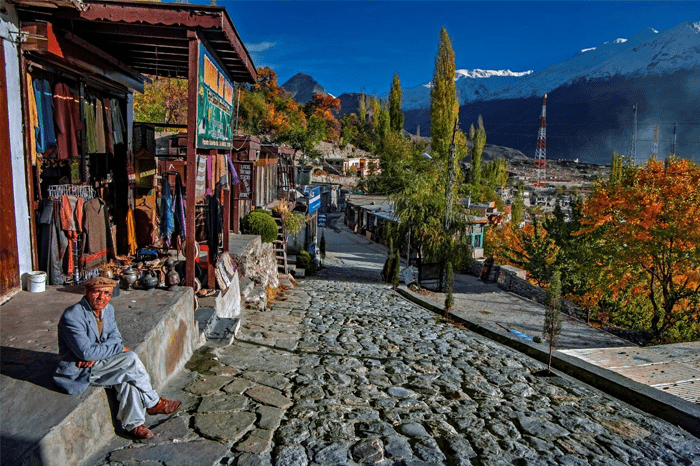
(322, 220)
(314, 199)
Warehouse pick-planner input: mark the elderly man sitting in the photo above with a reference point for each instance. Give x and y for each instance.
(91, 353)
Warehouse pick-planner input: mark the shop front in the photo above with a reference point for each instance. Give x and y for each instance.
(96, 190)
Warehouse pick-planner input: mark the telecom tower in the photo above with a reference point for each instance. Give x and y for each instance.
(632, 159)
(541, 151)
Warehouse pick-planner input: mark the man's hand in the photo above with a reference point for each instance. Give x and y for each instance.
(126, 348)
(84, 364)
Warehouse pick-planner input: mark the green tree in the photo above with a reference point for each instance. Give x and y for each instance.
(396, 116)
(552, 315)
(478, 138)
(517, 209)
(616, 168)
(444, 106)
(362, 108)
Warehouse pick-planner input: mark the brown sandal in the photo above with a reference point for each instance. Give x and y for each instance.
(164, 406)
(141, 432)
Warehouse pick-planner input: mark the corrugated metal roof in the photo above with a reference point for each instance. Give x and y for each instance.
(151, 38)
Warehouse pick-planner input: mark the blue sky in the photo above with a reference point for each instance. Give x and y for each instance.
(360, 45)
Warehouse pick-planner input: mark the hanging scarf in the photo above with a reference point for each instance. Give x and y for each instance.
(179, 209)
(131, 232)
(232, 169)
(167, 221)
(214, 223)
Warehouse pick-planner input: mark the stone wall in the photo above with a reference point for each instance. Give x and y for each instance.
(255, 259)
(513, 279)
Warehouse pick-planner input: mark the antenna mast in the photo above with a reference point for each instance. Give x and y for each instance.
(541, 151)
(655, 143)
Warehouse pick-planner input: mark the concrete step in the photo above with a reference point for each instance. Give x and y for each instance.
(224, 332)
(206, 319)
(298, 272)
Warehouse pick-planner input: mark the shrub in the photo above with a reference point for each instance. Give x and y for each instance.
(260, 222)
(306, 262)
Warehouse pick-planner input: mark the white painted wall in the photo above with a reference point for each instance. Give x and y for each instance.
(9, 33)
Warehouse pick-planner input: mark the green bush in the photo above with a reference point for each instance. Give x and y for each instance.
(260, 222)
(306, 262)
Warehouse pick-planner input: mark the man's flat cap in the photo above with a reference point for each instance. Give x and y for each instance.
(98, 282)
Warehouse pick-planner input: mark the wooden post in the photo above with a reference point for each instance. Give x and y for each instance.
(192, 84)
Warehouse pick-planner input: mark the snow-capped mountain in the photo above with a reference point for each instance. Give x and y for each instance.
(649, 53)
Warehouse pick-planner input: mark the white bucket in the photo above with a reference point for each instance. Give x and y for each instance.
(36, 282)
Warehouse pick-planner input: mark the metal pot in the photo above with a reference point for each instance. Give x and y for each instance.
(148, 279)
(172, 278)
(129, 277)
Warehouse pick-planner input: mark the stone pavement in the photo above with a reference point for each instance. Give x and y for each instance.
(342, 371)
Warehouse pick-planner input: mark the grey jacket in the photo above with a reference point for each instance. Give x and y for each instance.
(79, 340)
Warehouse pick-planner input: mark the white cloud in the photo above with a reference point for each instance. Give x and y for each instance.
(260, 47)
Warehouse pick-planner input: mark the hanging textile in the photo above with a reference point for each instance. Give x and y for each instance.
(109, 131)
(52, 242)
(214, 224)
(67, 122)
(72, 224)
(100, 147)
(96, 228)
(232, 169)
(209, 175)
(179, 209)
(90, 133)
(200, 182)
(118, 126)
(131, 232)
(221, 171)
(167, 219)
(33, 122)
(44, 132)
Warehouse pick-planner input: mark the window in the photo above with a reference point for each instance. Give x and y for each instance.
(477, 241)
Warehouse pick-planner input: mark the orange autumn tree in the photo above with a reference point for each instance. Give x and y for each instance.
(321, 107)
(648, 227)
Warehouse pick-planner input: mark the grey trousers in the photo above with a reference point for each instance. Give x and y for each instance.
(126, 373)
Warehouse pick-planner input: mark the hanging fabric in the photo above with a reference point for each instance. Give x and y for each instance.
(67, 122)
(33, 122)
(97, 237)
(52, 242)
(179, 209)
(214, 224)
(118, 126)
(209, 175)
(221, 171)
(167, 218)
(200, 183)
(44, 132)
(89, 115)
(101, 146)
(72, 224)
(131, 232)
(109, 131)
(232, 169)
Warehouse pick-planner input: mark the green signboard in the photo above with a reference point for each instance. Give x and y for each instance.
(214, 104)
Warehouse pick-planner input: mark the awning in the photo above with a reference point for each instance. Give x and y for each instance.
(150, 38)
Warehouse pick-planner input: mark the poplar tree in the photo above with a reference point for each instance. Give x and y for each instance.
(552, 315)
(444, 107)
(362, 108)
(478, 137)
(396, 116)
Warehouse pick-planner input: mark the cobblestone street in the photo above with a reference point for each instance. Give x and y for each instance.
(341, 371)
